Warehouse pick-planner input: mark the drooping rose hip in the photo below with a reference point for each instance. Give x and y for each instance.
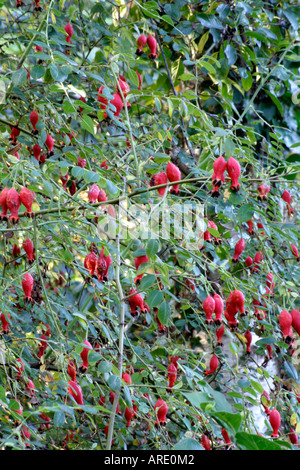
(138, 260)
(219, 167)
(141, 43)
(49, 142)
(286, 196)
(27, 285)
(205, 442)
(34, 118)
(263, 190)
(296, 320)
(248, 337)
(151, 41)
(238, 250)
(172, 374)
(27, 199)
(136, 302)
(84, 355)
(285, 324)
(93, 193)
(234, 171)
(29, 250)
(13, 204)
(213, 365)
(161, 410)
(75, 391)
(173, 174)
(90, 262)
(3, 203)
(275, 421)
(69, 30)
(156, 180)
(219, 335)
(219, 308)
(209, 308)
(295, 252)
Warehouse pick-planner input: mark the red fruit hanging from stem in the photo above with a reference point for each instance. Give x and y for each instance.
(172, 375)
(263, 190)
(209, 308)
(238, 250)
(27, 285)
(71, 370)
(3, 203)
(141, 42)
(69, 30)
(219, 167)
(84, 355)
(27, 198)
(161, 410)
(34, 118)
(295, 252)
(219, 308)
(75, 391)
(136, 302)
(250, 225)
(13, 204)
(285, 323)
(16, 251)
(138, 260)
(156, 180)
(213, 365)
(151, 41)
(248, 337)
(265, 401)
(43, 345)
(5, 322)
(234, 171)
(93, 193)
(29, 250)
(286, 196)
(49, 142)
(173, 174)
(296, 320)
(205, 442)
(90, 262)
(219, 335)
(275, 421)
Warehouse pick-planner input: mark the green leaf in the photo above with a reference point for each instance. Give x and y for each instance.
(152, 247)
(231, 54)
(245, 213)
(59, 419)
(164, 312)
(87, 123)
(19, 77)
(247, 441)
(127, 396)
(154, 298)
(133, 77)
(114, 383)
(188, 444)
(291, 371)
(230, 421)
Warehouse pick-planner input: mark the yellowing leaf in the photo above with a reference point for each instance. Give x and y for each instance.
(53, 18)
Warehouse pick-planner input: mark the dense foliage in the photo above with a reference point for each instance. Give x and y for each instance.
(112, 341)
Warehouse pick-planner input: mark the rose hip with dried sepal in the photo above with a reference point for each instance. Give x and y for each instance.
(13, 203)
(27, 199)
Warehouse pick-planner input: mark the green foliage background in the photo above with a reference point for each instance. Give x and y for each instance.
(224, 82)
